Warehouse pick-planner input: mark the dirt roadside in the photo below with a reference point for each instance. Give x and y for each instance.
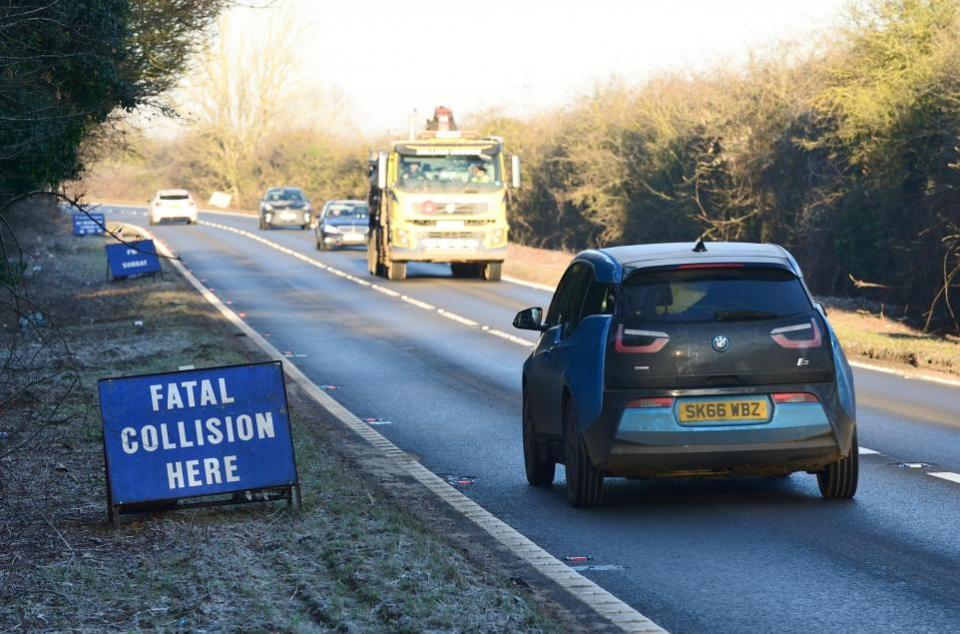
(371, 550)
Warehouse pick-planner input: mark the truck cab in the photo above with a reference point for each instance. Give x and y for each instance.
(440, 196)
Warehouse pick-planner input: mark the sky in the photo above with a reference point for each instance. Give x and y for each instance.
(522, 56)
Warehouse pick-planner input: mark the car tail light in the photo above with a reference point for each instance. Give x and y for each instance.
(630, 341)
(795, 397)
(651, 403)
(798, 337)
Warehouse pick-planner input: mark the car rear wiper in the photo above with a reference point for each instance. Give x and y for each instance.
(744, 315)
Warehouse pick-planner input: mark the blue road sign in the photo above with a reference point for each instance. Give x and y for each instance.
(138, 259)
(196, 432)
(91, 224)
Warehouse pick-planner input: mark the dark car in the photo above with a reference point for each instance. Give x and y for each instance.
(285, 206)
(676, 360)
(342, 223)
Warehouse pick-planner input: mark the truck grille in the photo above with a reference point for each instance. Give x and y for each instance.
(459, 235)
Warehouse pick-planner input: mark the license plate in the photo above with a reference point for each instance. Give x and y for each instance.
(353, 237)
(737, 410)
(450, 224)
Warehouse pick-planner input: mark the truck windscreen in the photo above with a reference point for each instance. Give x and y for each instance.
(449, 173)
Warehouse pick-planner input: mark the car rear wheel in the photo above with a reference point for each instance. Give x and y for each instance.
(584, 481)
(838, 481)
(540, 472)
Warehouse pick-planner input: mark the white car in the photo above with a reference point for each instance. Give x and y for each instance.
(172, 204)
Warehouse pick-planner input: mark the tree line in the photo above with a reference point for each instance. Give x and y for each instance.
(67, 69)
(845, 152)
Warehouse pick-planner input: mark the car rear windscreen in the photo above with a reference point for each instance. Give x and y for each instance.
(346, 211)
(699, 295)
(285, 195)
(174, 196)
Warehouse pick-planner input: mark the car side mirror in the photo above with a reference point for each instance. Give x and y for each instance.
(515, 171)
(529, 319)
(821, 308)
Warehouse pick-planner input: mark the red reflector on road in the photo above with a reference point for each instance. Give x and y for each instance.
(795, 397)
(577, 559)
(651, 403)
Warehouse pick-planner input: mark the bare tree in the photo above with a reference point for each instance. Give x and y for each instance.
(238, 95)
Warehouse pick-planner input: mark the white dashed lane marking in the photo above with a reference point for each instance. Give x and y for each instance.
(946, 475)
(460, 319)
(868, 452)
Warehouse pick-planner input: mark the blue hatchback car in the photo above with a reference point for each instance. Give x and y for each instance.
(684, 360)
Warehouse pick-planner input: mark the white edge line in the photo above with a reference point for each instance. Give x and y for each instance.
(945, 475)
(599, 600)
(522, 282)
(863, 451)
(543, 287)
(905, 375)
(512, 280)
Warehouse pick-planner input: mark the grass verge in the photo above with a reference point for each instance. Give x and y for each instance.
(353, 560)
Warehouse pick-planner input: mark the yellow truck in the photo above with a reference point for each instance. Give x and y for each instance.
(440, 196)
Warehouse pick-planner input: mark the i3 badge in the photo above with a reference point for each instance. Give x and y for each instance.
(720, 343)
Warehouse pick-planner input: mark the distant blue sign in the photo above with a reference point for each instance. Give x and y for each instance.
(140, 258)
(196, 432)
(90, 224)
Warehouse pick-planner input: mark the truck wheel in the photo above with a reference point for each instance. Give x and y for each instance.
(584, 481)
(838, 481)
(540, 471)
(492, 270)
(396, 271)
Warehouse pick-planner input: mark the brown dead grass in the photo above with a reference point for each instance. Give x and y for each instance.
(866, 334)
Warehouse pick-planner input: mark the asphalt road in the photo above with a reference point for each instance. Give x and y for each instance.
(744, 555)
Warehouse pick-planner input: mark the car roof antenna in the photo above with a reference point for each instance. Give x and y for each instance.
(699, 247)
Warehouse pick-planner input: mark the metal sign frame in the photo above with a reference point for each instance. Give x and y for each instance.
(289, 492)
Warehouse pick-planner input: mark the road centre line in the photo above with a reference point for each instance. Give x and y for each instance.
(602, 602)
(465, 321)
